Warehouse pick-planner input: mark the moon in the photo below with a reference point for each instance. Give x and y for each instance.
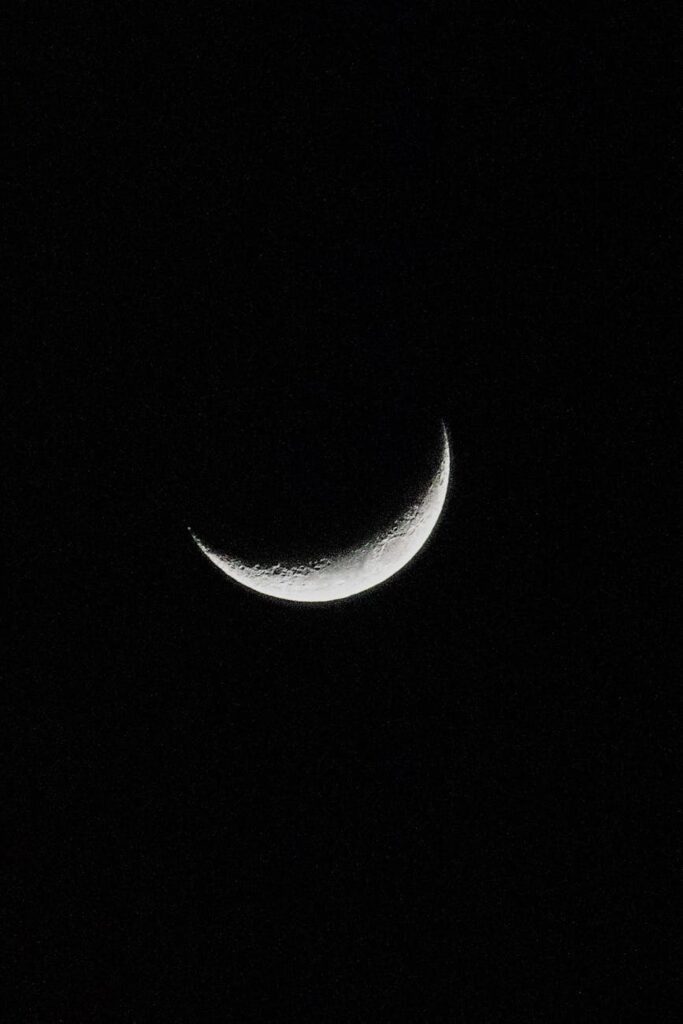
(366, 565)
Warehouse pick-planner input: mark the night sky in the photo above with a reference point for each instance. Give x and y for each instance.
(263, 253)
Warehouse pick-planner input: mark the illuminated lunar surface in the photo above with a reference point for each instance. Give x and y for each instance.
(350, 572)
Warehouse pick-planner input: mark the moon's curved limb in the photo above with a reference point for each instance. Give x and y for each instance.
(355, 570)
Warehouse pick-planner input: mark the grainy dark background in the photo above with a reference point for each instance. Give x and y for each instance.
(262, 253)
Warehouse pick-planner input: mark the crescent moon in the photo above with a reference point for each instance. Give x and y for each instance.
(356, 569)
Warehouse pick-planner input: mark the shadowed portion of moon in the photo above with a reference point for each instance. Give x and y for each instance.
(331, 577)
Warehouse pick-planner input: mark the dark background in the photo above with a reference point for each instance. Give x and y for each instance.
(262, 253)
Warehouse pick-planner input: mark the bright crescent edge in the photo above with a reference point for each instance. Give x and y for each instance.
(355, 570)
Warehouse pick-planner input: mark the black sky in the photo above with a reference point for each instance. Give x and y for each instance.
(263, 253)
